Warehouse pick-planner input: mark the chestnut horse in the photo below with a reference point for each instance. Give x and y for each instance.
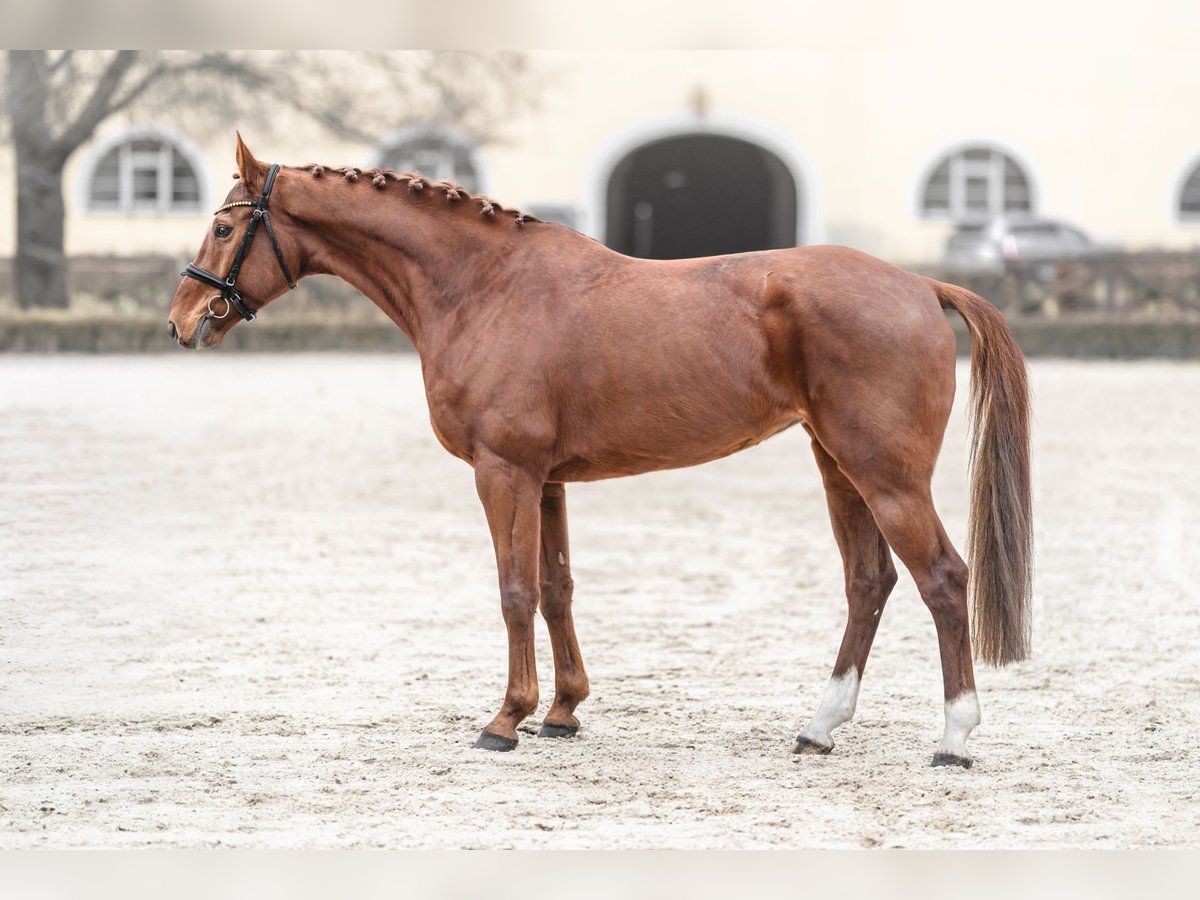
(548, 358)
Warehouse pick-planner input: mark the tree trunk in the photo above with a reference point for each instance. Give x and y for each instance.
(41, 265)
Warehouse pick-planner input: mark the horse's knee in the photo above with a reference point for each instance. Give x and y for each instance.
(523, 701)
(517, 603)
(557, 594)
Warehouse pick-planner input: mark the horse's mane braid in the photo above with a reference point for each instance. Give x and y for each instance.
(417, 183)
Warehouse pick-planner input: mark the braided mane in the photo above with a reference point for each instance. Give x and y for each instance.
(415, 182)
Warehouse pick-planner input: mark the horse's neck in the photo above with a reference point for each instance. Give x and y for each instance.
(406, 258)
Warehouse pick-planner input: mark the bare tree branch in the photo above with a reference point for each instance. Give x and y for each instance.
(63, 58)
(99, 105)
(159, 71)
(40, 62)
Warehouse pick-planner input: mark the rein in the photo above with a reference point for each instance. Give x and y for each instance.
(228, 285)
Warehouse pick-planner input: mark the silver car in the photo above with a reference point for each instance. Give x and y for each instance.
(985, 248)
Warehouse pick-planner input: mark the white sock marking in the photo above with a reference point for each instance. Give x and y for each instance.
(837, 707)
(962, 715)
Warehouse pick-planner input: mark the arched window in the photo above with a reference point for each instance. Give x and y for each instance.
(143, 170)
(974, 183)
(1189, 196)
(437, 152)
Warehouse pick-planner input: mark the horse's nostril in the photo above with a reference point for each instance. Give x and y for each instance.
(171, 330)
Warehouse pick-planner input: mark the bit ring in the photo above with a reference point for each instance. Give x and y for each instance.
(228, 306)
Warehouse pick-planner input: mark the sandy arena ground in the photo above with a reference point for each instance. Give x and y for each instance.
(249, 601)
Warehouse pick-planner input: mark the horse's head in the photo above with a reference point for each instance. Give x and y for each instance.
(237, 272)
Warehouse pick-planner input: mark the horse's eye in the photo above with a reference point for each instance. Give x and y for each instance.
(223, 231)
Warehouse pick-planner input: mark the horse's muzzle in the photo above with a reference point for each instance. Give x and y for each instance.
(196, 342)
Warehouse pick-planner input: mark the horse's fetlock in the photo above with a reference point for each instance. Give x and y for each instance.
(578, 692)
(522, 704)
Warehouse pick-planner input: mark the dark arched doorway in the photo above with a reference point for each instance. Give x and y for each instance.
(700, 195)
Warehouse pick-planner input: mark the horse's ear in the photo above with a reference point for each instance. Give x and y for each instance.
(252, 172)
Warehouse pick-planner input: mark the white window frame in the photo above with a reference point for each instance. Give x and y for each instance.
(961, 169)
(126, 204)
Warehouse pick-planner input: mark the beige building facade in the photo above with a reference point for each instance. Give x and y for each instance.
(882, 149)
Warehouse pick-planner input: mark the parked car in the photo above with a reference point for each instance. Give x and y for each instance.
(984, 248)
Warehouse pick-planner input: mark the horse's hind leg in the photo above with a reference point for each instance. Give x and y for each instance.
(557, 588)
(870, 577)
(892, 472)
(912, 527)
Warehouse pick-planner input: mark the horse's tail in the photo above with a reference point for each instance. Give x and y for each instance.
(1000, 526)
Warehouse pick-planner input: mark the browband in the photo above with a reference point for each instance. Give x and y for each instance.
(221, 209)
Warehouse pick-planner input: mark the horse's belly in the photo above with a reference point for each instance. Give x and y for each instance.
(666, 446)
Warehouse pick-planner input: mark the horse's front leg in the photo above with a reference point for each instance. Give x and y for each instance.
(511, 499)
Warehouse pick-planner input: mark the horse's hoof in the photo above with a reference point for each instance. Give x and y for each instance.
(950, 759)
(557, 731)
(489, 741)
(810, 748)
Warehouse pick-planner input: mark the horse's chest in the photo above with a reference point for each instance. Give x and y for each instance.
(451, 437)
(505, 414)
(451, 426)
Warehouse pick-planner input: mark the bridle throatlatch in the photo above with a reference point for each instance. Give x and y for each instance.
(228, 285)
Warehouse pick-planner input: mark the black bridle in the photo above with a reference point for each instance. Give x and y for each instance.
(228, 285)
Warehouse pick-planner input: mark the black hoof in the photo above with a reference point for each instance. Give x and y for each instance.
(489, 741)
(804, 746)
(557, 731)
(949, 759)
